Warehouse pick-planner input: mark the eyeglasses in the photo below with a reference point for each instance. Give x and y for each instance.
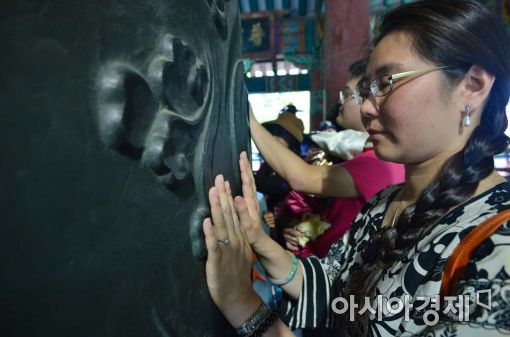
(344, 95)
(382, 85)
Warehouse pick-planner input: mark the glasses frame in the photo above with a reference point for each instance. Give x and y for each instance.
(343, 97)
(360, 95)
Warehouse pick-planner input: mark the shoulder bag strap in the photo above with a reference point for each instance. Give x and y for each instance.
(457, 262)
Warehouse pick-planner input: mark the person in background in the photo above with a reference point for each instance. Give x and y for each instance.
(287, 130)
(352, 183)
(434, 99)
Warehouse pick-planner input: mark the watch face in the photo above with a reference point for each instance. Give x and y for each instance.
(116, 117)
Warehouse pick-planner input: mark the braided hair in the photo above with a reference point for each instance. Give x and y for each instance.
(457, 34)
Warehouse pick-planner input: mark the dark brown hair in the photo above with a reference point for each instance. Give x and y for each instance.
(457, 34)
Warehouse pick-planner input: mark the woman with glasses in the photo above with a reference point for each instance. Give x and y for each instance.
(434, 99)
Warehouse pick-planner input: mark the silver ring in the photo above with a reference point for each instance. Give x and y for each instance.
(225, 241)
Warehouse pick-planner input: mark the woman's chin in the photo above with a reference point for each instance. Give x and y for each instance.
(384, 153)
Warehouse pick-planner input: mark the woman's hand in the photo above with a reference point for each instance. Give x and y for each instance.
(249, 211)
(229, 259)
(291, 236)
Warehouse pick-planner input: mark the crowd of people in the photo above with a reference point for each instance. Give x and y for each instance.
(405, 232)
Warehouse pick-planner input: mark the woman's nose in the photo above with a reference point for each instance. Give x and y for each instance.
(369, 108)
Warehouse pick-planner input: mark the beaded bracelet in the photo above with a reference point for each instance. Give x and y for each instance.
(266, 324)
(290, 276)
(258, 316)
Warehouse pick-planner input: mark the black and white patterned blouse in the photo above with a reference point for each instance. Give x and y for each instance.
(483, 293)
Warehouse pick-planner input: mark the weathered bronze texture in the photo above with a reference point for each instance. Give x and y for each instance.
(115, 118)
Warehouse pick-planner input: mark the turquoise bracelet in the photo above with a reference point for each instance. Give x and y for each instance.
(290, 276)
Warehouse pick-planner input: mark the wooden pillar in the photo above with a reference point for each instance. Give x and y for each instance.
(346, 40)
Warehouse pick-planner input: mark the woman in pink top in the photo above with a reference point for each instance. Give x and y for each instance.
(370, 175)
(351, 183)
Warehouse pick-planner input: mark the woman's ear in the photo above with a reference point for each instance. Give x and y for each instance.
(476, 86)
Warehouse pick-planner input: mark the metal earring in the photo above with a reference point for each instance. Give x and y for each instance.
(467, 117)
